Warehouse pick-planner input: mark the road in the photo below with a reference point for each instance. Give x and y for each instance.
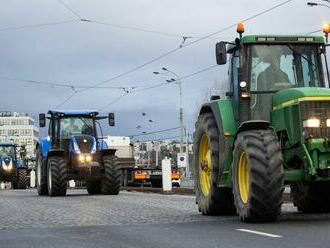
(134, 219)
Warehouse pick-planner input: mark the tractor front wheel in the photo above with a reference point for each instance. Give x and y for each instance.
(258, 176)
(211, 199)
(41, 175)
(57, 176)
(311, 197)
(22, 179)
(112, 174)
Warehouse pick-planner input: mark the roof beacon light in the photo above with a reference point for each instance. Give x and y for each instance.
(326, 30)
(240, 28)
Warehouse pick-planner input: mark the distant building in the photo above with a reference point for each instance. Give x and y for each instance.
(20, 129)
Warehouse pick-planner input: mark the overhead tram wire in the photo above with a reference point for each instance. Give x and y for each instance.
(70, 9)
(158, 131)
(158, 85)
(64, 85)
(37, 25)
(189, 44)
(112, 102)
(178, 48)
(181, 78)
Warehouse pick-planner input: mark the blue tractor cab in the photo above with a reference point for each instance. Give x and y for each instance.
(12, 169)
(73, 150)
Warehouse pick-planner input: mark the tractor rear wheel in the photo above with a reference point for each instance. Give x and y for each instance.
(94, 188)
(112, 175)
(258, 176)
(57, 176)
(22, 179)
(41, 175)
(311, 197)
(211, 199)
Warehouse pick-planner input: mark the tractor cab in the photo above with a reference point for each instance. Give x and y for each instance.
(262, 65)
(69, 128)
(7, 150)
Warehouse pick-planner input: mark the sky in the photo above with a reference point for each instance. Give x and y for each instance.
(89, 53)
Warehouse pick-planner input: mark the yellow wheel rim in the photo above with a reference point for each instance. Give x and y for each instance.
(205, 165)
(243, 177)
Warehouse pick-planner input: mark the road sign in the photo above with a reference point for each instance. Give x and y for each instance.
(182, 160)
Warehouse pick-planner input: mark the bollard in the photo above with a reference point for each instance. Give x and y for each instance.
(32, 179)
(166, 175)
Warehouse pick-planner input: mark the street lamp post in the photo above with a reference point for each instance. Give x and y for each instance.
(178, 81)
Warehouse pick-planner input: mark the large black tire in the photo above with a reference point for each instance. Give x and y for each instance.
(94, 188)
(264, 176)
(217, 201)
(57, 172)
(311, 197)
(41, 175)
(112, 174)
(22, 179)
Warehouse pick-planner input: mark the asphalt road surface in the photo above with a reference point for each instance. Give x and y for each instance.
(134, 219)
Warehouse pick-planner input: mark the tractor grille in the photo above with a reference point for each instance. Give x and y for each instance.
(317, 109)
(85, 143)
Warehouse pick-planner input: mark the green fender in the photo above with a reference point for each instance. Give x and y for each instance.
(223, 112)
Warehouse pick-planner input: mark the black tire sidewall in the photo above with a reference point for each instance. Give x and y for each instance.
(201, 129)
(240, 147)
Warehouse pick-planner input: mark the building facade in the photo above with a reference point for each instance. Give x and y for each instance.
(20, 129)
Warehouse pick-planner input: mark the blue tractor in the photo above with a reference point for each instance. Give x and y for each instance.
(12, 169)
(73, 151)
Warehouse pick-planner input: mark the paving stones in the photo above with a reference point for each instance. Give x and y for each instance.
(25, 209)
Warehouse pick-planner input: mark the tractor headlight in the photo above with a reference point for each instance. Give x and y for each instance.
(7, 167)
(88, 158)
(313, 122)
(81, 158)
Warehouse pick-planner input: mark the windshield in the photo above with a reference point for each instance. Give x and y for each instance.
(76, 126)
(275, 67)
(7, 151)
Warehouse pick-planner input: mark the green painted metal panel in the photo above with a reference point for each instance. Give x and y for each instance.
(226, 109)
(290, 96)
(254, 38)
(288, 119)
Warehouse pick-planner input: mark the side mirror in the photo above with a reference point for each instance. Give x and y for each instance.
(111, 118)
(221, 53)
(42, 120)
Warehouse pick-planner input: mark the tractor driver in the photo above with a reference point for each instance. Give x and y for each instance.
(272, 78)
(268, 79)
(69, 127)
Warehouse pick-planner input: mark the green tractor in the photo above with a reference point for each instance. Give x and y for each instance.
(271, 130)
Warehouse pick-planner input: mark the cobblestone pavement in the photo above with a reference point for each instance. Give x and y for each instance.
(25, 209)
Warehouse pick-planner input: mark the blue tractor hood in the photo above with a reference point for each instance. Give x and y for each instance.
(82, 144)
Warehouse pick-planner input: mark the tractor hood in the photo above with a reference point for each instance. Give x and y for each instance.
(295, 95)
(83, 144)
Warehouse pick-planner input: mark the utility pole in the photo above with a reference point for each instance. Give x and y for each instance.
(181, 118)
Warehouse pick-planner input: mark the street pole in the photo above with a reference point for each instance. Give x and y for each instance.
(178, 81)
(181, 118)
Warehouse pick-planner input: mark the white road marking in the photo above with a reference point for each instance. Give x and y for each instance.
(260, 233)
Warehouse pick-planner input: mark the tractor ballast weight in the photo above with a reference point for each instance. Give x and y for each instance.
(73, 151)
(272, 129)
(12, 168)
